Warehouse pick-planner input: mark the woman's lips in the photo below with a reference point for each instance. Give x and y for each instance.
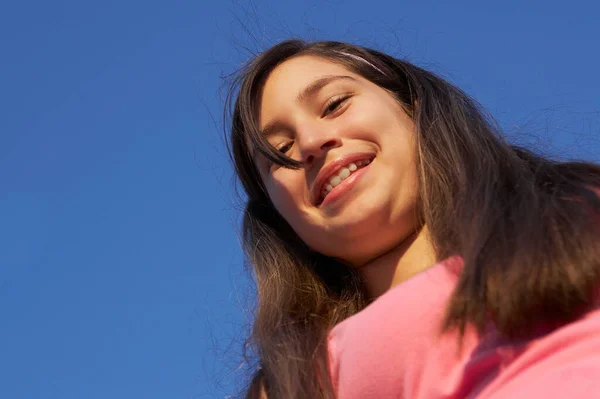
(332, 170)
(344, 186)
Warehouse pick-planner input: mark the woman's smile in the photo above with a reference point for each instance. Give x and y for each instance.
(335, 176)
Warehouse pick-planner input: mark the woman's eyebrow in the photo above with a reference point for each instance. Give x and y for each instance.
(309, 91)
(319, 84)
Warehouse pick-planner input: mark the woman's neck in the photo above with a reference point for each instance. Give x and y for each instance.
(410, 257)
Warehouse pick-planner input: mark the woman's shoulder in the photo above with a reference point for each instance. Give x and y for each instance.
(416, 299)
(562, 363)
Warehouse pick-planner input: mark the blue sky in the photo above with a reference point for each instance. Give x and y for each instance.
(120, 269)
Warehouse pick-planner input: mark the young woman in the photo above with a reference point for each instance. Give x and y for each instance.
(401, 248)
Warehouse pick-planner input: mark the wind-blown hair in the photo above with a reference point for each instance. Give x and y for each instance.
(525, 225)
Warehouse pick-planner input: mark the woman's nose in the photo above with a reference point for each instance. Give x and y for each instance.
(316, 143)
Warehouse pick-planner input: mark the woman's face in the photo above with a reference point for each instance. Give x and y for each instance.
(355, 198)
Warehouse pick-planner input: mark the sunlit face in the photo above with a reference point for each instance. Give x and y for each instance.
(355, 198)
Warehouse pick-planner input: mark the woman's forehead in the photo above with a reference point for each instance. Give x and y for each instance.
(298, 72)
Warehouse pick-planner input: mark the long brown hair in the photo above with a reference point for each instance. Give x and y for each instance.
(521, 222)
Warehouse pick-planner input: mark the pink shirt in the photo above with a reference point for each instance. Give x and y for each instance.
(393, 349)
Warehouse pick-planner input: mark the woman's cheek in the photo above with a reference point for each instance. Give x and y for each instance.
(285, 195)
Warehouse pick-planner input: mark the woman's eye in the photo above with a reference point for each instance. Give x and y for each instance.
(334, 104)
(285, 147)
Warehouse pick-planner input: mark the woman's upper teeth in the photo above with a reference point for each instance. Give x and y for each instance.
(342, 174)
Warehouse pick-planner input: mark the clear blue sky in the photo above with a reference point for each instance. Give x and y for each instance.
(120, 269)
